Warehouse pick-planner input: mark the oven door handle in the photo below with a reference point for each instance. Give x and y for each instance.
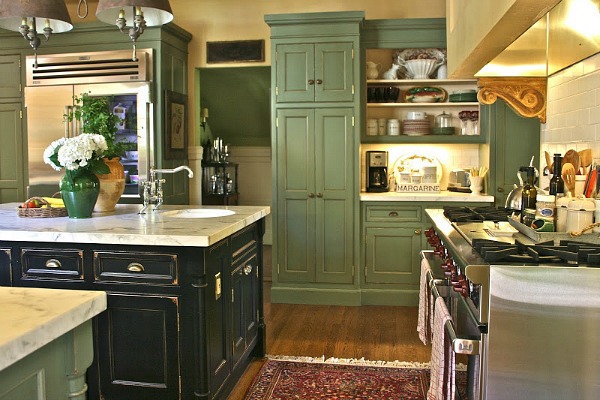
(459, 345)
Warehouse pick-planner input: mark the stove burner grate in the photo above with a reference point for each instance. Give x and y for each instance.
(475, 214)
(567, 253)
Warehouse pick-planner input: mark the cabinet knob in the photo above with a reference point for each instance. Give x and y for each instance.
(311, 82)
(53, 263)
(311, 195)
(135, 267)
(319, 195)
(417, 231)
(247, 269)
(501, 189)
(319, 81)
(393, 214)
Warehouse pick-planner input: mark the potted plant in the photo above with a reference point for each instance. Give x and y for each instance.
(96, 117)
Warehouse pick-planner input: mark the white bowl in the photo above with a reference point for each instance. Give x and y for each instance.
(416, 115)
(421, 68)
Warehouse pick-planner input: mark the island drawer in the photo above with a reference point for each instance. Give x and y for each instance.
(61, 264)
(393, 213)
(243, 240)
(132, 267)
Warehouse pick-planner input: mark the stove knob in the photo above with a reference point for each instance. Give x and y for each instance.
(461, 288)
(440, 251)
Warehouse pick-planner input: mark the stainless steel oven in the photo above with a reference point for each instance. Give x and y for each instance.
(529, 328)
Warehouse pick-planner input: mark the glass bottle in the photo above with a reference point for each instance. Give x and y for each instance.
(528, 198)
(557, 185)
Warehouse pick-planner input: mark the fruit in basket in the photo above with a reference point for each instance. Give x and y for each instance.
(33, 203)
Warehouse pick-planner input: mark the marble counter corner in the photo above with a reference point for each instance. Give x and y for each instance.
(443, 196)
(32, 317)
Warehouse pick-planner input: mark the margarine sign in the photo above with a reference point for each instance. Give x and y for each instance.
(417, 187)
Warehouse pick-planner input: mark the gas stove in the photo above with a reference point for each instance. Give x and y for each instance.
(473, 214)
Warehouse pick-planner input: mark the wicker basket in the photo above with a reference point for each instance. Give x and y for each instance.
(46, 212)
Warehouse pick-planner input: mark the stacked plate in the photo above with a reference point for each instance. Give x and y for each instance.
(416, 127)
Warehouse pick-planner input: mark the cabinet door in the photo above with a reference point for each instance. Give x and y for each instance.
(334, 177)
(10, 76)
(11, 153)
(244, 300)
(315, 195)
(334, 72)
(138, 347)
(296, 195)
(295, 73)
(392, 255)
(5, 267)
(514, 140)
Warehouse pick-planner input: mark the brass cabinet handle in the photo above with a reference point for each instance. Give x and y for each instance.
(319, 81)
(248, 269)
(319, 195)
(393, 214)
(311, 82)
(53, 263)
(417, 231)
(135, 267)
(311, 195)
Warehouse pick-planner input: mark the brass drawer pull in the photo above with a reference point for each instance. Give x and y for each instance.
(319, 195)
(311, 82)
(417, 231)
(247, 269)
(319, 81)
(393, 214)
(135, 267)
(53, 263)
(311, 195)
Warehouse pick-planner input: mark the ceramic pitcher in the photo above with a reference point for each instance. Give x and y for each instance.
(373, 70)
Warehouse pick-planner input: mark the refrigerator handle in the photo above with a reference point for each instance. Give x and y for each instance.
(66, 122)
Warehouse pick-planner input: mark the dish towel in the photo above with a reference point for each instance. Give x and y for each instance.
(442, 383)
(425, 305)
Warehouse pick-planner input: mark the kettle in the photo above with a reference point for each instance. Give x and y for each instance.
(513, 200)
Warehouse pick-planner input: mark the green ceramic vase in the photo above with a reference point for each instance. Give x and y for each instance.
(79, 190)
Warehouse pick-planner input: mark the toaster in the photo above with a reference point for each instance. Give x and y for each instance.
(459, 178)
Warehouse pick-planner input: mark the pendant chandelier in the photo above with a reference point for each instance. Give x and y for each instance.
(142, 13)
(27, 16)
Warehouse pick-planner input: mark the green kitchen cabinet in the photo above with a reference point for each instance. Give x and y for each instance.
(393, 234)
(315, 195)
(511, 142)
(315, 106)
(10, 76)
(11, 136)
(314, 72)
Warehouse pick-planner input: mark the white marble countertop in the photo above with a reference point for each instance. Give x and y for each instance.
(31, 318)
(125, 226)
(441, 196)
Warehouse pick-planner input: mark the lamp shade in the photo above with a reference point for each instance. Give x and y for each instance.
(12, 13)
(156, 12)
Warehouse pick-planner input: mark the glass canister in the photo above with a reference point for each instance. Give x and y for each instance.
(443, 120)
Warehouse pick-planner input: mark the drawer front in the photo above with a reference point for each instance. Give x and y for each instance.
(130, 267)
(243, 240)
(393, 213)
(64, 264)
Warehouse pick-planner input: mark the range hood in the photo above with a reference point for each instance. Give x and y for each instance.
(525, 38)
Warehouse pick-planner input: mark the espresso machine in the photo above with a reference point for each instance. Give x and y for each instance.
(377, 176)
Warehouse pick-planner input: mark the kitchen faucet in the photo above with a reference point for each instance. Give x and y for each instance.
(153, 192)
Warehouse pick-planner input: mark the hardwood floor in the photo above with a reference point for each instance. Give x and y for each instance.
(382, 333)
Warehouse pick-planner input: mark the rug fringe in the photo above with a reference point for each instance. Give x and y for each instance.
(358, 361)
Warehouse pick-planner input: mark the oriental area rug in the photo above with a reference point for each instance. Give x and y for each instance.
(283, 378)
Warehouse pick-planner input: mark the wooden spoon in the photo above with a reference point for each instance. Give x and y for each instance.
(585, 157)
(548, 162)
(568, 175)
(572, 157)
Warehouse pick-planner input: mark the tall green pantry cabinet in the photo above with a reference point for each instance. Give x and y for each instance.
(315, 108)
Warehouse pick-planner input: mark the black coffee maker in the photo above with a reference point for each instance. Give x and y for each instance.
(377, 176)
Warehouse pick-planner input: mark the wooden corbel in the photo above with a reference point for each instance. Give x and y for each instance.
(525, 95)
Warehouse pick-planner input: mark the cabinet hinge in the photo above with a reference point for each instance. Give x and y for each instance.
(21, 114)
(353, 269)
(276, 122)
(20, 88)
(353, 53)
(276, 91)
(277, 269)
(353, 89)
(352, 121)
(232, 295)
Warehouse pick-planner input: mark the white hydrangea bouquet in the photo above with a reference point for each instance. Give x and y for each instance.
(82, 153)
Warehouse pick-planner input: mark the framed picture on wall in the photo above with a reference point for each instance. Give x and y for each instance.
(235, 51)
(176, 132)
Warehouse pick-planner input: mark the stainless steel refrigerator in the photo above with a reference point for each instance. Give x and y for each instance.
(49, 96)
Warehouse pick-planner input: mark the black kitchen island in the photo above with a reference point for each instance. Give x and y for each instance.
(185, 313)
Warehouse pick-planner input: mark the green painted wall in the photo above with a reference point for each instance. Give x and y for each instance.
(238, 102)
